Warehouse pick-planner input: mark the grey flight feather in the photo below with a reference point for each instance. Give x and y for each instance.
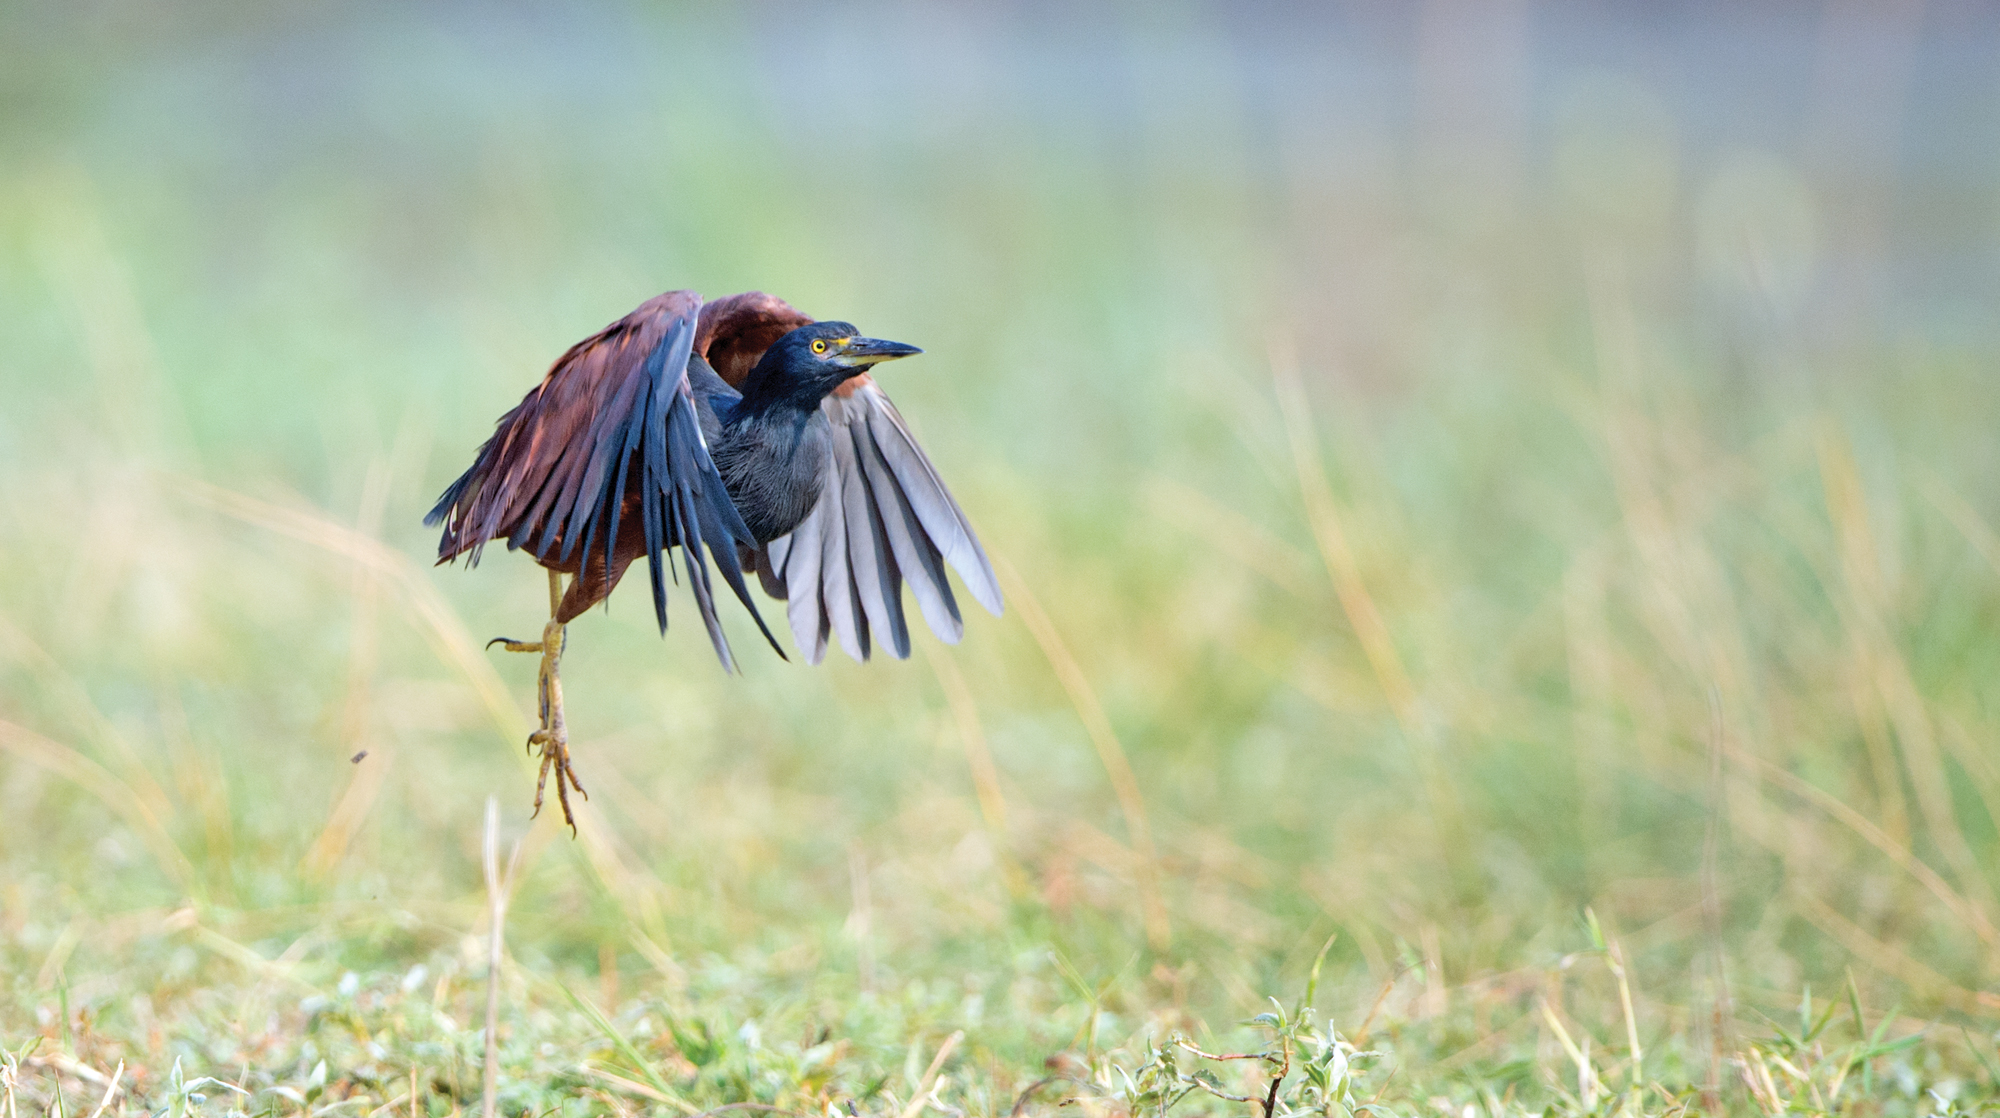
(883, 519)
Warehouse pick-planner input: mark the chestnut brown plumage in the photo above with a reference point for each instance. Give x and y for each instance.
(742, 427)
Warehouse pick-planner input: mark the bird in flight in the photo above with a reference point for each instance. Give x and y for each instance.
(742, 427)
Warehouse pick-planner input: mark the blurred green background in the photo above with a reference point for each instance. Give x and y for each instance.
(1453, 465)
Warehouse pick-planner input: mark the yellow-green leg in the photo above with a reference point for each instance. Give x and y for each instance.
(552, 736)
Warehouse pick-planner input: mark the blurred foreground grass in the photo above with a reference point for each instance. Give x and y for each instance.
(1418, 566)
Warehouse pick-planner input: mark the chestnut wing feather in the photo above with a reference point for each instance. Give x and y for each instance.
(613, 418)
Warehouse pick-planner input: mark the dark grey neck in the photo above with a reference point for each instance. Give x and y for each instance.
(771, 387)
(773, 459)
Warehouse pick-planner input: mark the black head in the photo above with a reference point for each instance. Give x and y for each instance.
(813, 360)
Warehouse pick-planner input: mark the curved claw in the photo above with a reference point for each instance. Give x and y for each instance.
(501, 640)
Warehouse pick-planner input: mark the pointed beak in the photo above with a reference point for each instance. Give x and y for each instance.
(860, 353)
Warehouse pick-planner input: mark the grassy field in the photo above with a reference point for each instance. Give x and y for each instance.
(1502, 555)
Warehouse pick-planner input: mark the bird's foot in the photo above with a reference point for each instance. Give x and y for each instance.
(551, 737)
(555, 755)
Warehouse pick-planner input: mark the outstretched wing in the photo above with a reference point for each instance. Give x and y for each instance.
(611, 432)
(884, 520)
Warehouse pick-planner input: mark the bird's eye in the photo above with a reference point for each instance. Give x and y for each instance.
(819, 345)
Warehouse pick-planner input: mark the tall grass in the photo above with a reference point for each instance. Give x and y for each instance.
(1387, 559)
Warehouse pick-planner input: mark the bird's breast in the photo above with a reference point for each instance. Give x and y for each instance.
(774, 467)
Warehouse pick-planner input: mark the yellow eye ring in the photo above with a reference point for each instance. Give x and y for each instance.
(819, 345)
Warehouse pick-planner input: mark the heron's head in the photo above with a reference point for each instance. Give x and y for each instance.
(815, 359)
